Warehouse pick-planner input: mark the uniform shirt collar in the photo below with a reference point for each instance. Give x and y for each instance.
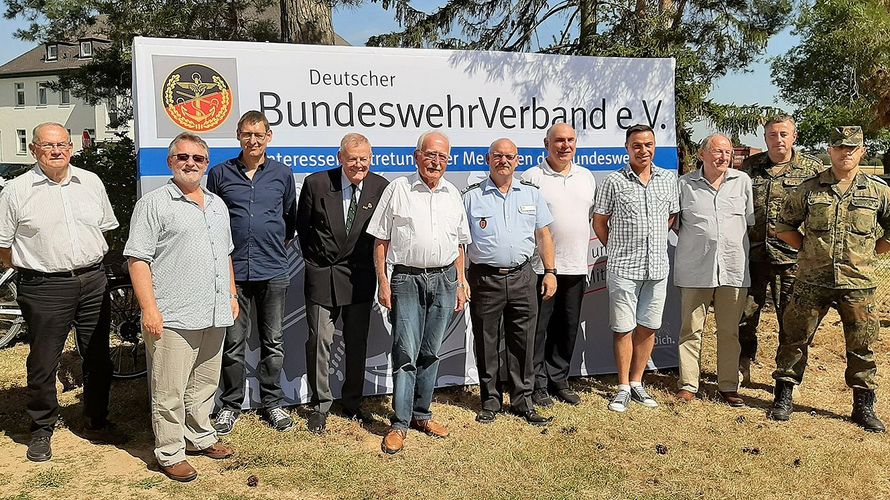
(489, 185)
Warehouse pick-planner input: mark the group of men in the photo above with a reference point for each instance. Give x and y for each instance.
(512, 249)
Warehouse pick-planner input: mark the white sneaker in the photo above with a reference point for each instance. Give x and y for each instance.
(639, 395)
(620, 402)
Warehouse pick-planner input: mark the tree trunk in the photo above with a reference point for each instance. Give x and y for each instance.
(587, 13)
(307, 21)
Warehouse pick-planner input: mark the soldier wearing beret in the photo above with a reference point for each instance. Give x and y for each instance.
(834, 220)
(774, 173)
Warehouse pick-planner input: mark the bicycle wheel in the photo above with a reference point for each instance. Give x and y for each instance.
(127, 348)
(11, 321)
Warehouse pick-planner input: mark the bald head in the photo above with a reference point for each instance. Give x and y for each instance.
(560, 145)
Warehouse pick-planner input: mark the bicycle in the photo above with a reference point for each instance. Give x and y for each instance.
(125, 335)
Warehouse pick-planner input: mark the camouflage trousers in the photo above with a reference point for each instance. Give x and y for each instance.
(775, 278)
(808, 305)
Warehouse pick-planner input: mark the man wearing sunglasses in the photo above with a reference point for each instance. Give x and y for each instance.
(179, 249)
(419, 226)
(52, 220)
(261, 197)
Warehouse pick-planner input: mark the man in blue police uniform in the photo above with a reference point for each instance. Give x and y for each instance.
(507, 218)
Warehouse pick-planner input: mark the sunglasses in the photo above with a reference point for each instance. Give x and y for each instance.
(186, 156)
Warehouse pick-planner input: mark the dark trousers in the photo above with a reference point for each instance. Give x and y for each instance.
(321, 320)
(557, 330)
(511, 299)
(778, 278)
(51, 306)
(269, 296)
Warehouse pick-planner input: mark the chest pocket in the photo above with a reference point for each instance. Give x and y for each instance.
(863, 214)
(790, 183)
(820, 212)
(627, 202)
(481, 221)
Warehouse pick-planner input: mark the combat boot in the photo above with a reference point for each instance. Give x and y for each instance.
(864, 411)
(782, 406)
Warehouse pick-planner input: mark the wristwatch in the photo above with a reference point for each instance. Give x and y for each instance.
(551, 271)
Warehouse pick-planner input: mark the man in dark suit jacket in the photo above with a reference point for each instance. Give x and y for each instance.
(332, 215)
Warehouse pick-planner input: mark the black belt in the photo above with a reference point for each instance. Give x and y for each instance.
(61, 274)
(485, 268)
(398, 268)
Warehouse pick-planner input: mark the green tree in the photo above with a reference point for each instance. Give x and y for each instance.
(839, 74)
(708, 39)
(115, 163)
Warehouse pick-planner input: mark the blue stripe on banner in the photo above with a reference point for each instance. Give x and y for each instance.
(305, 160)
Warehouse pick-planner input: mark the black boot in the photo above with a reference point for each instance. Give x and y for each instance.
(782, 406)
(864, 411)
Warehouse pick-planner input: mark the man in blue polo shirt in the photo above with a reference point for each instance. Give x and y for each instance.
(507, 218)
(262, 201)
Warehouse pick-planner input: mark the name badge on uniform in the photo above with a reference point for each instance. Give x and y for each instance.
(528, 209)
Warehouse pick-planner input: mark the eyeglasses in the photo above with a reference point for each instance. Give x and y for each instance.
(186, 156)
(499, 156)
(246, 136)
(433, 155)
(49, 146)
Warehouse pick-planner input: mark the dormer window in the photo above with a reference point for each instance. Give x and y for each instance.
(52, 52)
(86, 49)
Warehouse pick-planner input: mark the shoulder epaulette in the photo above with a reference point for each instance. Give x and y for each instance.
(529, 183)
(876, 178)
(470, 188)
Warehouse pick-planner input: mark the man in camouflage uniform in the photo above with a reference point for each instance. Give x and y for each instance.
(773, 263)
(839, 212)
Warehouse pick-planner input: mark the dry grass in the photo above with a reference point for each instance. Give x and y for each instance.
(697, 450)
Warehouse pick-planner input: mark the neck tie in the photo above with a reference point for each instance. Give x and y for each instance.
(350, 214)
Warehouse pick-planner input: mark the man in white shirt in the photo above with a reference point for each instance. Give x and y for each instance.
(569, 191)
(52, 220)
(419, 225)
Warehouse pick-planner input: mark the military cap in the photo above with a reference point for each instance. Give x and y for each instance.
(845, 136)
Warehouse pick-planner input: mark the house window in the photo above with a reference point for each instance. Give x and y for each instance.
(22, 141)
(19, 94)
(41, 93)
(52, 52)
(86, 49)
(65, 96)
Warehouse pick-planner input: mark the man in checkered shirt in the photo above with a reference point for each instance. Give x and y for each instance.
(634, 209)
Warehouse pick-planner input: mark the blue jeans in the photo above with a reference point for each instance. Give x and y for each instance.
(269, 296)
(422, 304)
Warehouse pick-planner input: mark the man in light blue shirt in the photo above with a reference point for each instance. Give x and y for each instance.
(508, 219)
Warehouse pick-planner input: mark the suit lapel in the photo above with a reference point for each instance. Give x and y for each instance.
(333, 206)
(363, 212)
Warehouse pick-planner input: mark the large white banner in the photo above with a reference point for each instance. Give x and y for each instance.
(313, 95)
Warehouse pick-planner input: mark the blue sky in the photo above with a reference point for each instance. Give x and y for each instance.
(357, 24)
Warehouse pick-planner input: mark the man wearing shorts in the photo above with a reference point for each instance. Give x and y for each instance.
(633, 211)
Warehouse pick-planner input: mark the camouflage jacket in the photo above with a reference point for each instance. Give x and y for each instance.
(769, 195)
(840, 229)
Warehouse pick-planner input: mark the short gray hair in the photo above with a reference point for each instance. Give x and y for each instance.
(37, 129)
(491, 146)
(710, 138)
(190, 137)
(429, 133)
(353, 139)
(781, 118)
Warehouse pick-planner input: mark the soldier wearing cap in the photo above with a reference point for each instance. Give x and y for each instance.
(507, 218)
(834, 220)
(773, 263)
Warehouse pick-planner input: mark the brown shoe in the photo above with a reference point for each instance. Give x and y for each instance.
(394, 441)
(430, 427)
(180, 471)
(684, 395)
(732, 398)
(216, 451)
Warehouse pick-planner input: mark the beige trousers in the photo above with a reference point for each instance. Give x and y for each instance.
(729, 302)
(184, 368)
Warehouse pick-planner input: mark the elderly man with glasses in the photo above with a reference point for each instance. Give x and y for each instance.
(419, 226)
(179, 249)
(52, 220)
(261, 197)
